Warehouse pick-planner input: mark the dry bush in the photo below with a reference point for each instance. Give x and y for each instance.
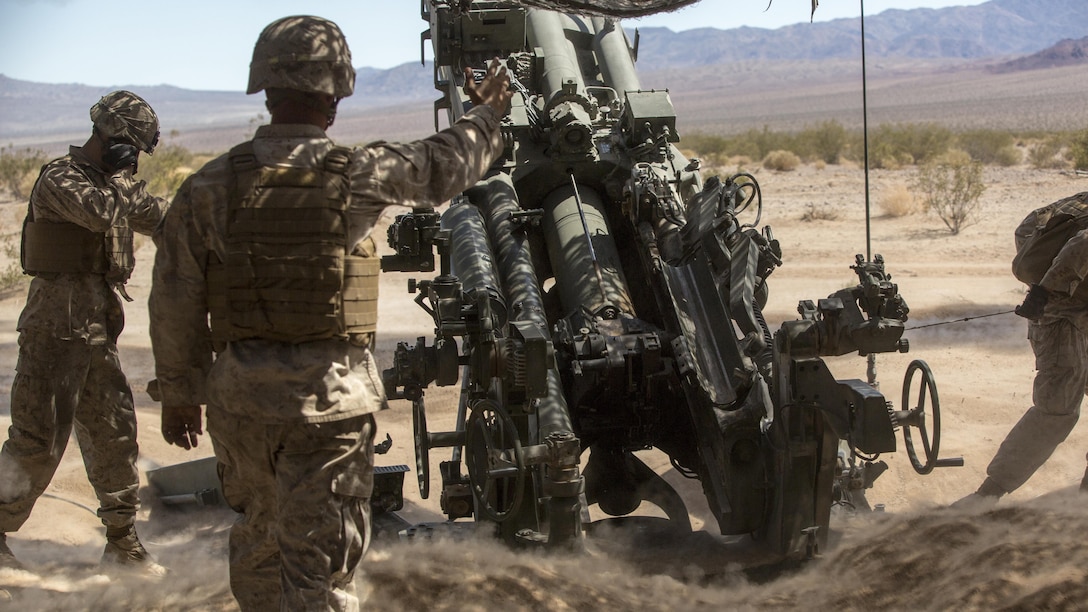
(11, 274)
(821, 213)
(1078, 150)
(898, 201)
(990, 146)
(19, 170)
(952, 185)
(1008, 156)
(1046, 155)
(781, 161)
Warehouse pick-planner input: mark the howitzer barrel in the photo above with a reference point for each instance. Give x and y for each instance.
(498, 201)
(471, 259)
(561, 76)
(580, 251)
(614, 56)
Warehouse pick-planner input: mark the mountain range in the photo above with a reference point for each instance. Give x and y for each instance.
(720, 78)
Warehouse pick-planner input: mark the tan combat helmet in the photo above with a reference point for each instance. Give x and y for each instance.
(302, 53)
(123, 114)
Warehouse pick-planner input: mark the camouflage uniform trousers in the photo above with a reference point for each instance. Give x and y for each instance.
(304, 493)
(60, 385)
(1061, 361)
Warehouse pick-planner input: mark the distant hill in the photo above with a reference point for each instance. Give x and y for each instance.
(1065, 53)
(992, 29)
(720, 79)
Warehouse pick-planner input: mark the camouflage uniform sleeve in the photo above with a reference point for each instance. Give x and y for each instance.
(143, 210)
(1070, 266)
(430, 171)
(180, 337)
(66, 193)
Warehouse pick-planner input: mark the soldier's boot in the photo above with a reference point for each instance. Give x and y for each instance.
(7, 558)
(123, 549)
(987, 495)
(1084, 482)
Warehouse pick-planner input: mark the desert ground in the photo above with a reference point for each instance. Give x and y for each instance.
(1025, 553)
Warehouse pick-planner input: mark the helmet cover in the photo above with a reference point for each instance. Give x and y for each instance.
(302, 53)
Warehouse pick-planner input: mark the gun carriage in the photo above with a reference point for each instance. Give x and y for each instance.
(596, 296)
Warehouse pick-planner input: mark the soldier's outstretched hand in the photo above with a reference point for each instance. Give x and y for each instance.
(494, 90)
(181, 425)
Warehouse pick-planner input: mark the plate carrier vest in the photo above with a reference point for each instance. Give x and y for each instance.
(288, 275)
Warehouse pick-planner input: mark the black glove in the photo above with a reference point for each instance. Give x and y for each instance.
(1034, 302)
(120, 155)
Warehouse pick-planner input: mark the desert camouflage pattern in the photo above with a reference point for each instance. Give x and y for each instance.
(73, 190)
(68, 374)
(302, 53)
(1061, 361)
(312, 510)
(305, 524)
(314, 381)
(123, 114)
(1066, 273)
(1060, 342)
(60, 385)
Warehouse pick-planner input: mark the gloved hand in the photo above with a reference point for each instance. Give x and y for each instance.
(181, 425)
(1034, 303)
(120, 155)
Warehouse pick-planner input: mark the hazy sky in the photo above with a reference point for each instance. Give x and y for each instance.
(206, 44)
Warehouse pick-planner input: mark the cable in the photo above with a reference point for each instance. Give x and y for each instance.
(993, 314)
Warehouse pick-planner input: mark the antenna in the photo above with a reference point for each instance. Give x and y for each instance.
(865, 138)
(870, 370)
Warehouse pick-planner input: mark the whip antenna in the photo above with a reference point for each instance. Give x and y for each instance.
(865, 138)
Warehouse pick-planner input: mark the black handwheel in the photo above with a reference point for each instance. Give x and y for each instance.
(927, 393)
(423, 449)
(493, 455)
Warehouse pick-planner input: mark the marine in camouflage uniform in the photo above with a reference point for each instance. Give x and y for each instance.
(248, 244)
(78, 245)
(1058, 331)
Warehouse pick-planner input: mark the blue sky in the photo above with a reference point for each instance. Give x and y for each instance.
(206, 44)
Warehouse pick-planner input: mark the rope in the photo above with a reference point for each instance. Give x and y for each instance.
(993, 314)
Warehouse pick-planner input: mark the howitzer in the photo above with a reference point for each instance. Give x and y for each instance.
(596, 296)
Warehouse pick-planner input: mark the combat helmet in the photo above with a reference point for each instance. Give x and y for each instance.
(302, 53)
(122, 114)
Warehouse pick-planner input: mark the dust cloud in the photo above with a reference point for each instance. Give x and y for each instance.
(1021, 556)
(1013, 556)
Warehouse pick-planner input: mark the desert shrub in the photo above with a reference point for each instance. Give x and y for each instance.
(11, 274)
(824, 142)
(951, 186)
(920, 141)
(990, 146)
(1078, 150)
(166, 169)
(897, 201)
(1008, 156)
(819, 213)
(1046, 154)
(782, 161)
(19, 170)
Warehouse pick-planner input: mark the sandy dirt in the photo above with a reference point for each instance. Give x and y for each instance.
(918, 554)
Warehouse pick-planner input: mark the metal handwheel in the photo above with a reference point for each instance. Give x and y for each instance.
(926, 393)
(493, 456)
